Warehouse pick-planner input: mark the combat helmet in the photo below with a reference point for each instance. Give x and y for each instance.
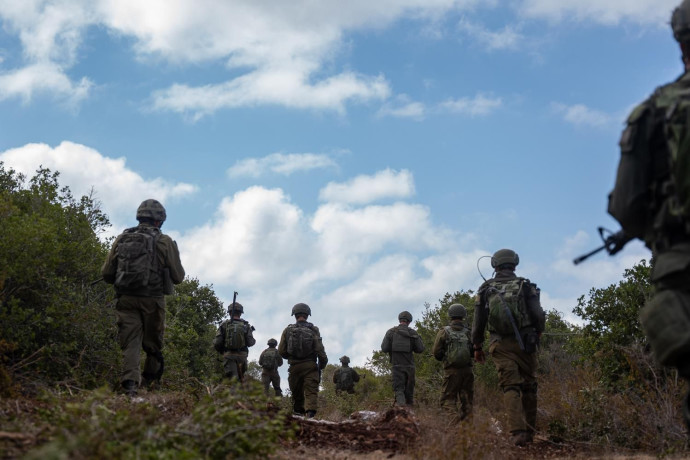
(301, 308)
(344, 359)
(405, 316)
(680, 22)
(272, 342)
(151, 209)
(238, 308)
(457, 311)
(503, 257)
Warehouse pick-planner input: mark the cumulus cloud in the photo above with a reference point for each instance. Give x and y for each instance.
(84, 169)
(280, 163)
(367, 188)
(508, 38)
(479, 105)
(43, 78)
(581, 115)
(403, 107)
(608, 12)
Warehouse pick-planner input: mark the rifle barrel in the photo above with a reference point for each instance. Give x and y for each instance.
(583, 257)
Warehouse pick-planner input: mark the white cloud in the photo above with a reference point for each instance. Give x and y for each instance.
(365, 188)
(280, 163)
(507, 39)
(608, 12)
(82, 169)
(479, 105)
(581, 115)
(403, 107)
(43, 78)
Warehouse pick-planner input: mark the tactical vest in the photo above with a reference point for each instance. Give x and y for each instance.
(506, 303)
(401, 340)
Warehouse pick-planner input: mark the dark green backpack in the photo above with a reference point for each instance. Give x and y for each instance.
(301, 341)
(511, 293)
(269, 359)
(235, 332)
(457, 348)
(346, 380)
(137, 261)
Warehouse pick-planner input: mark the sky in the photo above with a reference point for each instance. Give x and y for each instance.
(357, 156)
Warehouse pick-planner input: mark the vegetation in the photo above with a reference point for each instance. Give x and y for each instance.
(59, 362)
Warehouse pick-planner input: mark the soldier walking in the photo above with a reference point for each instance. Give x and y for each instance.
(270, 360)
(400, 342)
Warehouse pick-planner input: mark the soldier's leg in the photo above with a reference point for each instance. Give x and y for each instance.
(409, 386)
(129, 333)
(275, 379)
(504, 356)
(399, 383)
(311, 389)
(466, 392)
(154, 328)
(296, 383)
(449, 390)
(241, 368)
(266, 381)
(230, 367)
(529, 405)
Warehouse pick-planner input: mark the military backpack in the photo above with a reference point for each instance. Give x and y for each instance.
(301, 341)
(235, 332)
(269, 359)
(457, 348)
(137, 261)
(345, 379)
(506, 303)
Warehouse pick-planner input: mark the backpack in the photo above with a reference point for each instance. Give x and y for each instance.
(269, 359)
(137, 261)
(457, 348)
(235, 332)
(514, 298)
(300, 341)
(345, 379)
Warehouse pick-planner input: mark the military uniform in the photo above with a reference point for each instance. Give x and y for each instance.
(234, 361)
(458, 381)
(345, 373)
(141, 312)
(648, 202)
(304, 374)
(516, 367)
(271, 376)
(400, 342)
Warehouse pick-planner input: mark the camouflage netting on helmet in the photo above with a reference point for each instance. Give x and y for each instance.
(151, 209)
(457, 311)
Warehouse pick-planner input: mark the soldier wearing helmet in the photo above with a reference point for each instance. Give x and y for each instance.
(400, 342)
(270, 360)
(509, 307)
(142, 264)
(233, 339)
(345, 377)
(300, 343)
(453, 347)
(651, 201)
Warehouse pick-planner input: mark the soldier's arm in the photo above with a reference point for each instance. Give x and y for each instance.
(335, 375)
(481, 317)
(280, 360)
(249, 337)
(418, 345)
(320, 350)
(282, 346)
(439, 348)
(219, 339)
(386, 344)
(355, 376)
(109, 268)
(534, 307)
(171, 255)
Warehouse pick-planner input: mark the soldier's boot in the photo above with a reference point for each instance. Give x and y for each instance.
(311, 413)
(529, 405)
(130, 387)
(512, 403)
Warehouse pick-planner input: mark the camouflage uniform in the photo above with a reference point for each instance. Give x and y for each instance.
(458, 382)
(141, 313)
(271, 376)
(646, 202)
(400, 342)
(516, 368)
(304, 375)
(341, 370)
(234, 361)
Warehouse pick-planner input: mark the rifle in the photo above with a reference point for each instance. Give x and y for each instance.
(501, 294)
(232, 310)
(613, 243)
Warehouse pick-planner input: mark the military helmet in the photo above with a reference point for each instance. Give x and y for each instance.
(301, 308)
(151, 209)
(504, 256)
(680, 22)
(405, 316)
(238, 308)
(457, 311)
(272, 342)
(344, 359)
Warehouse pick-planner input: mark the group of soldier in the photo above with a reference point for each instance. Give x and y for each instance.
(651, 200)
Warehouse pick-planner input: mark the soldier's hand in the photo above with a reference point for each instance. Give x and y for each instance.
(479, 356)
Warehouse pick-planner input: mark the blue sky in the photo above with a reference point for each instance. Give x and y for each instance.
(357, 156)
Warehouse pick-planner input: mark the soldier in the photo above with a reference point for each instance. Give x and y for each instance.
(270, 360)
(651, 200)
(233, 339)
(301, 345)
(453, 346)
(400, 342)
(510, 306)
(142, 264)
(345, 377)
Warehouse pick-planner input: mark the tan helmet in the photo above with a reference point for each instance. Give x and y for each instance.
(151, 209)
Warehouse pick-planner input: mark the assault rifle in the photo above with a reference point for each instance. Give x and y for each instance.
(613, 243)
(501, 294)
(232, 309)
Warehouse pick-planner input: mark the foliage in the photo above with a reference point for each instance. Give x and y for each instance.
(372, 392)
(52, 317)
(190, 327)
